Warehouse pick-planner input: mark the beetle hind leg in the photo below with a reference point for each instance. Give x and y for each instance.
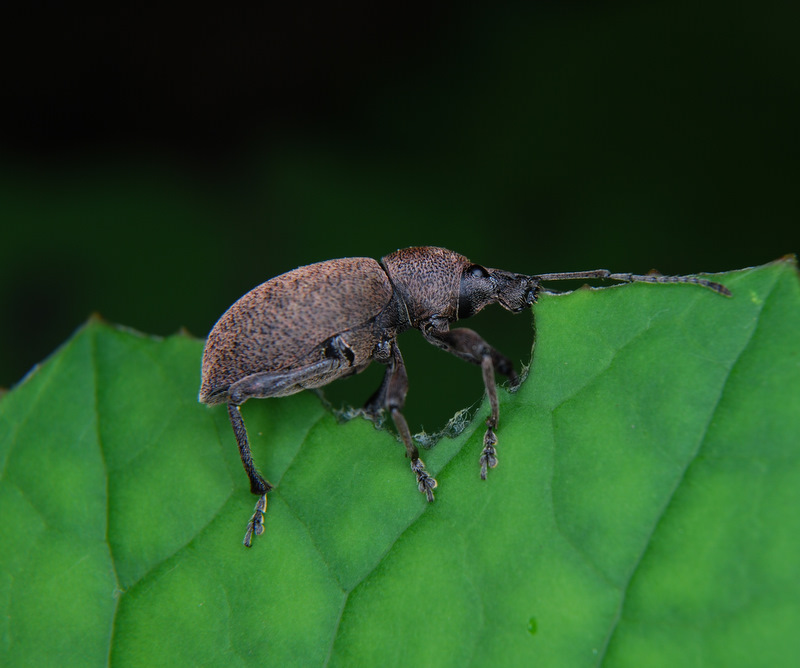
(258, 485)
(255, 527)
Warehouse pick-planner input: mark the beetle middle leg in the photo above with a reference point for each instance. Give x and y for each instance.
(392, 393)
(468, 345)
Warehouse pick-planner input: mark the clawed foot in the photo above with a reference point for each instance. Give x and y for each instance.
(256, 524)
(489, 454)
(425, 482)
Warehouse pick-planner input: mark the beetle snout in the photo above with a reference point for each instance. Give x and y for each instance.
(516, 292)
(527, 292)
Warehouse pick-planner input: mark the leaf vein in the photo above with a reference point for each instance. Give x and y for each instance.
(670, 499)
(335, 633)
(98, 434)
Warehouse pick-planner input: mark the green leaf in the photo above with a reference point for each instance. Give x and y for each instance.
(644, 512)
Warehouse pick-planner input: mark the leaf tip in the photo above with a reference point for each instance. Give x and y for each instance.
(790, 259)
(184, 332)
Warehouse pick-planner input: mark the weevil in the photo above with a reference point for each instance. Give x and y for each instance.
(308, 327)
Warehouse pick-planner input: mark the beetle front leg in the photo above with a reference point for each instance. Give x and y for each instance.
(394, 389)
(489, 454)
(468, 345)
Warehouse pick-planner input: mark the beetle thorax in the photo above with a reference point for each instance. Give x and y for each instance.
(427, 279)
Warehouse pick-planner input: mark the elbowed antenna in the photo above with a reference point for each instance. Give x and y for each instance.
(633, 278)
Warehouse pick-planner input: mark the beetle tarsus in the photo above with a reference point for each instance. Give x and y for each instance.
(425, 482)
(255, 527)
(489, 454)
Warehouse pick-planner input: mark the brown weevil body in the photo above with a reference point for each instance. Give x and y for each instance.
(321, 322)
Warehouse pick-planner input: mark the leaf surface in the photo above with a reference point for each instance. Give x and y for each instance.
(644, 512)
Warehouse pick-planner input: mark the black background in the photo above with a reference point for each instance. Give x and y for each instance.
(157, 163)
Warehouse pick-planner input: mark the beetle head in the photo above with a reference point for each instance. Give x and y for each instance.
(481, 286)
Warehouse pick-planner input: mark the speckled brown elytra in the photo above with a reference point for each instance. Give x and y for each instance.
(312, 325)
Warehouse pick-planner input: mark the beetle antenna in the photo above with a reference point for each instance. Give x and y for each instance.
(634, 278)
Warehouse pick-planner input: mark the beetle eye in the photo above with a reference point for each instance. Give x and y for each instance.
(476, 271)
(530, 296)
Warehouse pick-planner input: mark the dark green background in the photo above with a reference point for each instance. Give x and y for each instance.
(157, 164)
